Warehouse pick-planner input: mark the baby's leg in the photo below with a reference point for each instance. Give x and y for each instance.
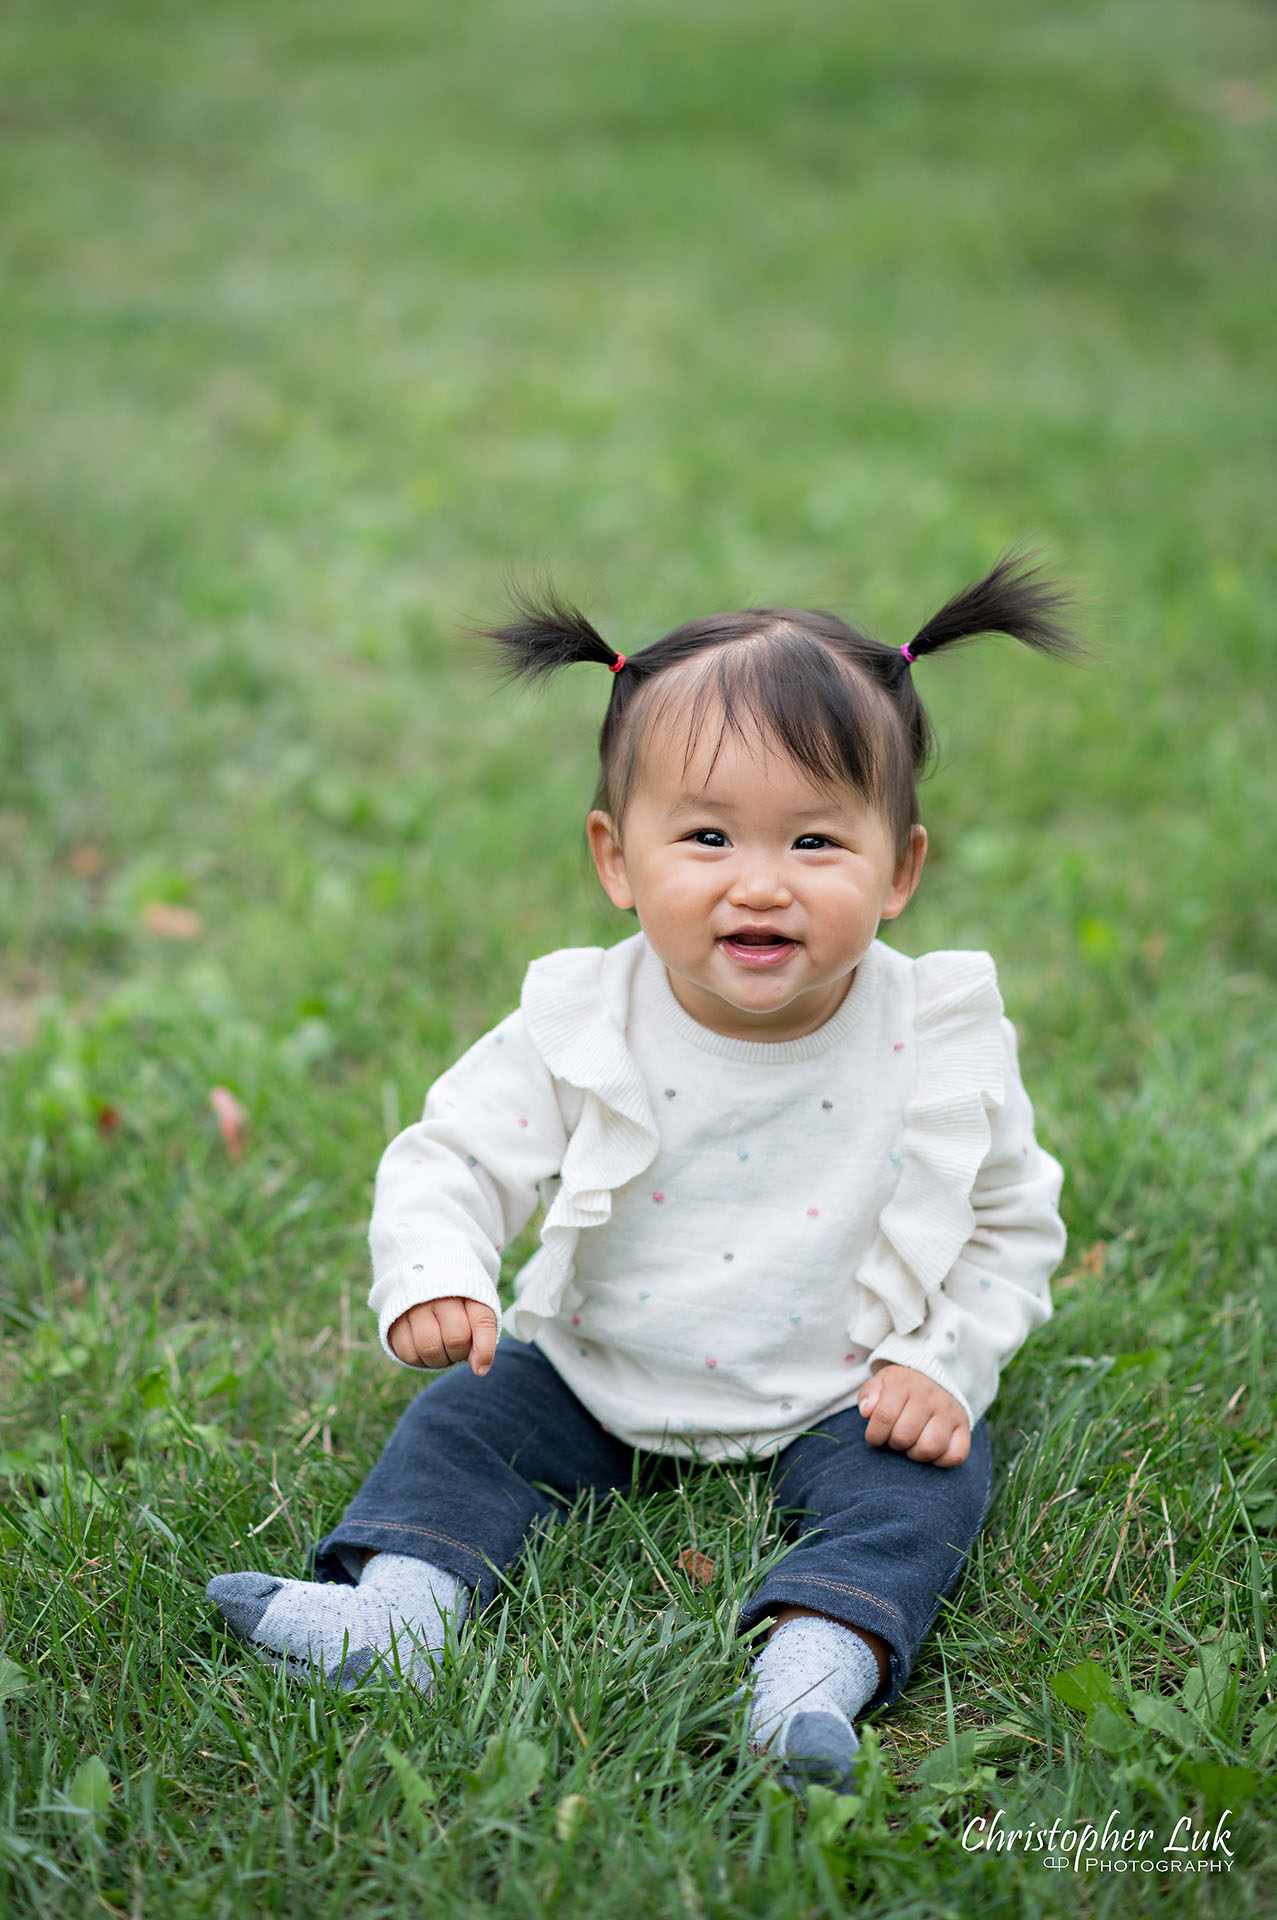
(883, 1539)
(460, 1486)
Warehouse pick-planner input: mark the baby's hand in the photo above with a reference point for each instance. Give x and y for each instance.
(445, 1331)
(915, 1416)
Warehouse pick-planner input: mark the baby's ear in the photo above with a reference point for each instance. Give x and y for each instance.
(609, 860)
(907, 874)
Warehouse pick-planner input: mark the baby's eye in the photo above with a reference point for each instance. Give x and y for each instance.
(812, 842)
(708, 837)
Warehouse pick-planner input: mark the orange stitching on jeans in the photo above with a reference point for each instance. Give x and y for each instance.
(838, 1586)
(430, 1533)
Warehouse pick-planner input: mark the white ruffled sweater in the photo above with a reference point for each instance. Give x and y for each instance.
(758, 1235)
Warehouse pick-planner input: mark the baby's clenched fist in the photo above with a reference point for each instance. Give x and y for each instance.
(912, 1415)
(442, 1332)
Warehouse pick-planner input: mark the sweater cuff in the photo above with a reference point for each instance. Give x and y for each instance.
(896, 1350)
(397, 1292)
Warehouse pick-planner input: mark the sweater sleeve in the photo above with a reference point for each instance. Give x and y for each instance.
(997, 1291)
(456, 1187)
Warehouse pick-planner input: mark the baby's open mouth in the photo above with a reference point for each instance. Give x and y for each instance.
(757, 946)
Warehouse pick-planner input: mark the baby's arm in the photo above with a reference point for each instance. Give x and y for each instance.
(997, 1291)
(452, 1191)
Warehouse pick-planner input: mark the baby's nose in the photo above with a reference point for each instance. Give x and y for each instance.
(760, 883)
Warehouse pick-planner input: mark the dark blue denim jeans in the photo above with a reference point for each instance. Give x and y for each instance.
(474, 1466)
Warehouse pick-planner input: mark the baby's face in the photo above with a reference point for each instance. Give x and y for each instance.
(759, 890)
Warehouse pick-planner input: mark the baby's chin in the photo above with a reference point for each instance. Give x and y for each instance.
(760, 1005)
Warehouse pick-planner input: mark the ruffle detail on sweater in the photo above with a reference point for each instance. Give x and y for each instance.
(575, 1005)
(960, 1076)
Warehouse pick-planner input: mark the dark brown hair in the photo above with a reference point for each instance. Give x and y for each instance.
(841, 706)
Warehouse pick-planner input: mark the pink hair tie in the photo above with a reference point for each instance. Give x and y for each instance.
(617, 664)
(908, 656)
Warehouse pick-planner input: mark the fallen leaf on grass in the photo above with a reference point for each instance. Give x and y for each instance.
(87, 862)
(171, 923)
(232, 1120)
(1089, 1267)
(697, 1566)
(569, 1813)
(1241, 101)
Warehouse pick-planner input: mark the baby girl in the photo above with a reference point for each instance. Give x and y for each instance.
(795, 1214)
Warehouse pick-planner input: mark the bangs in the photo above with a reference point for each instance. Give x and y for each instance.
(789, 690)
(842, 708)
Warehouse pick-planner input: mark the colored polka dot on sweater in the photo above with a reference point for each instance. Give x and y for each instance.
(645, 1296)
(729, 1256)
(795, 1317)
(576, 1319)
(741, 1154)
(670, 1092)
(471, 1161)
(813, 1213)
(899, 1047)
(658, 1197)
(827, 1106)
(523, 1120)
(709, 1362)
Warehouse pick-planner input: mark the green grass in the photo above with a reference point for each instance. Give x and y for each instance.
(316, 321)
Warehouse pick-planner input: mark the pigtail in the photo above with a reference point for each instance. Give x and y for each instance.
(546, 633)
(1012, 598)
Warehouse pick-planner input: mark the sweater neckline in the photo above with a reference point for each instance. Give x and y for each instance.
(764, 1052)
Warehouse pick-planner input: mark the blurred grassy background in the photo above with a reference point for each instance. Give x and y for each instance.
(318, 322)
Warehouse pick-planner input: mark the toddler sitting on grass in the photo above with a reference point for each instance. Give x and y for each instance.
(795, 1209)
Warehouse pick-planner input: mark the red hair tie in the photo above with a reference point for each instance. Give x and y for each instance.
(617, 664)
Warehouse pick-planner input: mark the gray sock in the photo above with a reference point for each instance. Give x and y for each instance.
(400, 1609)
(809, 1682)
